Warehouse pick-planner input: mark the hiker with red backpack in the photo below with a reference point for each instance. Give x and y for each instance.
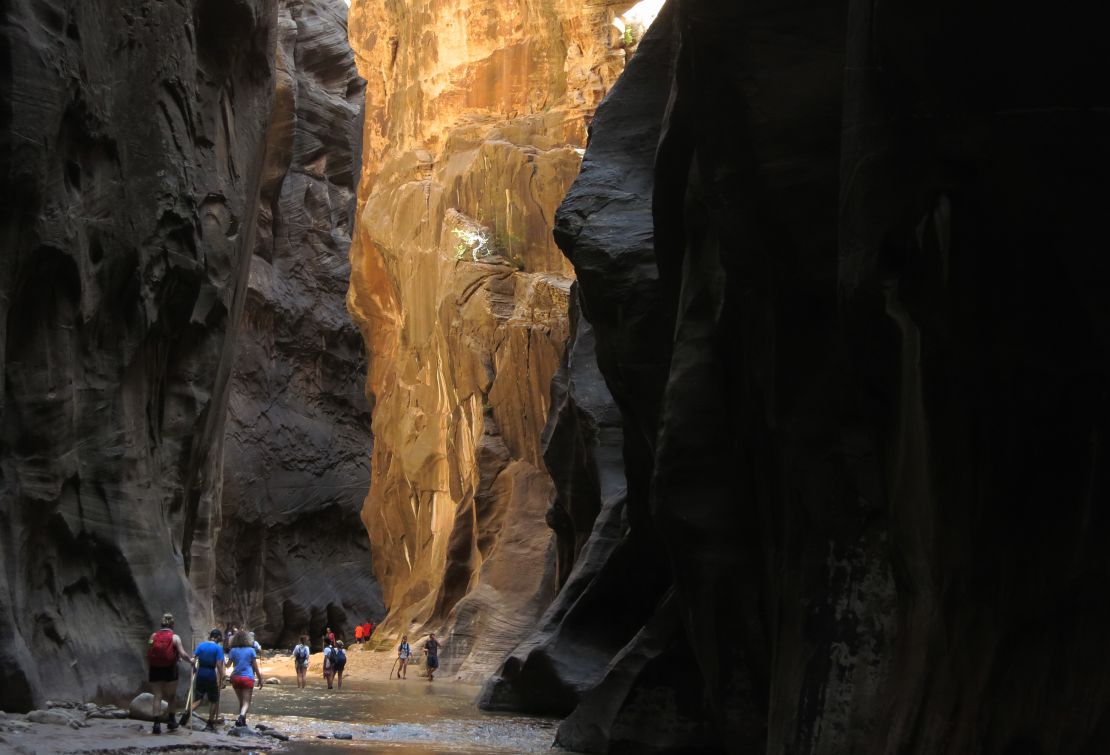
(165, 651)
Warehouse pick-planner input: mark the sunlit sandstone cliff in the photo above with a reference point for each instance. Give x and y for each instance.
(476, 113)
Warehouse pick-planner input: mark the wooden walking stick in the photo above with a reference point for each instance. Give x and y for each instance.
(192, 684)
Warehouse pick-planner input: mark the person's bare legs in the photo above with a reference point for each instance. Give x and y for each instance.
(160, 691)
(170, 693)
(156, 705)
(339, 678)
(404, 666)
(244, 696)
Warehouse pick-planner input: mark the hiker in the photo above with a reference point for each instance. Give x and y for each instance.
(367, 630)
(358, 634)
(431, 650)
(300, 662)
(338, 662)
(209, 656)
(227, 640)
(329, 636)
(244, 673)
(163, 654)
(258, 651)
(403, 653)
(329, 664)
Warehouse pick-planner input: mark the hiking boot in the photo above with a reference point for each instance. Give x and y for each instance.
(171, 725)
(241, 721)
(184, 719)
(210, 726)
(157, 728)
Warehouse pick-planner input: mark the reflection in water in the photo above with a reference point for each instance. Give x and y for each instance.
(397, 717)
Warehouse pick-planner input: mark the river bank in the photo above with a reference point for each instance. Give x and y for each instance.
(370, 714)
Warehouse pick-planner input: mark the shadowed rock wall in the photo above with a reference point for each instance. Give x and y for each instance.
(295, 556)
(132, 142)
(865, 467)
(477, 110)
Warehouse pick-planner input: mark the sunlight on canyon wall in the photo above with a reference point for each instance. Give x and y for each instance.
(476, 119)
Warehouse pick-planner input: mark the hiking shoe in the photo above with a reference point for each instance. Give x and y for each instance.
(241, 721)
(157, 728)
(210, 726)
(184, 719)
(171, 725)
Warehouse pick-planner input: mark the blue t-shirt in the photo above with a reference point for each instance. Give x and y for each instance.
(208, 654)
(241, 659)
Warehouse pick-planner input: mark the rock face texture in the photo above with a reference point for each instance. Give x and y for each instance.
(294, 553)
(865, 464)
(132, 148)
(478, 110)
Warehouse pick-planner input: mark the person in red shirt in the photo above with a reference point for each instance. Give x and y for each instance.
(367, 630)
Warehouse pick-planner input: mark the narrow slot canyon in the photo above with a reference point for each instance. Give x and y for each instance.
(705, 377)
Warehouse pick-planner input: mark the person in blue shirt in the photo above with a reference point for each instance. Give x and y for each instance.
(209, 657)
(244, 672)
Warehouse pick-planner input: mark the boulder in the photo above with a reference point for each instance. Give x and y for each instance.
(141, 705)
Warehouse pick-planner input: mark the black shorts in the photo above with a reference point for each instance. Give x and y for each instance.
(207, 686)
(163, 673)
(432, 662)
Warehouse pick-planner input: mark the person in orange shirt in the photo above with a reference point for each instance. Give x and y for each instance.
(358, 633)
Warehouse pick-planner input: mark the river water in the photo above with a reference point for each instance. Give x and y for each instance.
(411, 717)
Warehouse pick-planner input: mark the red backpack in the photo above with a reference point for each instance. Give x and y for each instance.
(162, 653)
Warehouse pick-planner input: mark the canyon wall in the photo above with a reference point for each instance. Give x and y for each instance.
(294, 555)
(864, 467)
(132, 148)
(477, 112)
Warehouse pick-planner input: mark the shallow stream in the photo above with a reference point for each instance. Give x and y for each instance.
(411, 717)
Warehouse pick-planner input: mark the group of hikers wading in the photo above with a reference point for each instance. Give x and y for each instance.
(236, 655)
(165, 651)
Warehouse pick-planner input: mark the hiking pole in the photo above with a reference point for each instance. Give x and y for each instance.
(189, 699)
(395, 662)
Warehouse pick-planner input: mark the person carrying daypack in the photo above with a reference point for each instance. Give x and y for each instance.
(338, 661)
(300, 662)
(164, 651)
(329, 665)
(403, 653)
